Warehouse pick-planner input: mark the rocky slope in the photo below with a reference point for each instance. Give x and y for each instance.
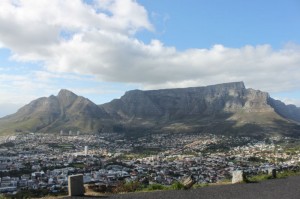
(227, 108)
(186, 102)
(64, 111)
(287, 111)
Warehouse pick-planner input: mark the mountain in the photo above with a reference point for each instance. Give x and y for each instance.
(170, 104)
(228, 108)
(66, 111)
(287, 111)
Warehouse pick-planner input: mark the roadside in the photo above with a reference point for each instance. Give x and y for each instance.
(268, 189)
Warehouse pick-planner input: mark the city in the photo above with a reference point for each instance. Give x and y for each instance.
(42, 162)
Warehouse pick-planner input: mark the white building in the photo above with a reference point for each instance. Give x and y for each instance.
(86, 149)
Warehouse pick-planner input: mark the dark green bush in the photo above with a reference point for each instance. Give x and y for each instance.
(177, 186)
(154, 187)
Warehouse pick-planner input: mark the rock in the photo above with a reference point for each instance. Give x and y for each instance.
(288, 111)
(238, 177)
(75, 185)
(272, 172)
(188, 182)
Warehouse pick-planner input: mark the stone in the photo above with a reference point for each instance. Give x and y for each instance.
(188, 182)
(75, 185)
(272, 172)
(238, 176)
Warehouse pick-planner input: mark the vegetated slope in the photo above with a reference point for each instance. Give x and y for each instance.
(66, 111)
(227, 108)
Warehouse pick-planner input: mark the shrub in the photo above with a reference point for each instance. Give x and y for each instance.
(154, 187)
(285, 174)
(258, 178)
(177, 186)
(128, 187)
(2, 196)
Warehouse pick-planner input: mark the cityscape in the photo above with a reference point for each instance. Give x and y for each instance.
(43, 162)
(130, 99)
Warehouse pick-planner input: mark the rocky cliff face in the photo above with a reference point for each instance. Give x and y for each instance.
(290, 112)
(184, 102)
(224, 108)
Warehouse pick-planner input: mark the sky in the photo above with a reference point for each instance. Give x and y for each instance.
(100, 49)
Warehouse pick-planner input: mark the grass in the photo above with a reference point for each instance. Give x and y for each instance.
(279, 175)
(155, 187)
(286, 174)
(139, 187)
(258, 178)
(200, 185)
(177, 186)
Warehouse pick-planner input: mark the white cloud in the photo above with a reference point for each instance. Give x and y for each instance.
(18, 90)
(9, 108)
(21, 89)
(99, 39)
(290, 101)
(124, 59)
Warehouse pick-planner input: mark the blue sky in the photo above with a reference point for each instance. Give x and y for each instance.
(233, 23)
(101, 48)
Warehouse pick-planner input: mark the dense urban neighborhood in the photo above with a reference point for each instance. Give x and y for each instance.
(42, 162)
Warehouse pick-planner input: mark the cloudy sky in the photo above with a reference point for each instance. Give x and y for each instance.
(101, 48)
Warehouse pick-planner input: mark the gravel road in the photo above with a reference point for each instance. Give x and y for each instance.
(288, 188)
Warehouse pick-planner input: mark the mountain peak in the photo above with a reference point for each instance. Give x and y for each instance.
(65, 92)
(66, 97)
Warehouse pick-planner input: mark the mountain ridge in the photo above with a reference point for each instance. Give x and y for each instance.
(228, 108)
(48, 113)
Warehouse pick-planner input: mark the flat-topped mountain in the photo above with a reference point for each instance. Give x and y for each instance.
(188, 102)
(228, 108)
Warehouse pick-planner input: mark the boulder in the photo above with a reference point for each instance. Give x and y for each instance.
(188, 182)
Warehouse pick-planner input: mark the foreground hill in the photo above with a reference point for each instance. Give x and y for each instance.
(227, 108)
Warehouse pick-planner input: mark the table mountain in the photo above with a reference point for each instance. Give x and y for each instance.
(228, 108)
